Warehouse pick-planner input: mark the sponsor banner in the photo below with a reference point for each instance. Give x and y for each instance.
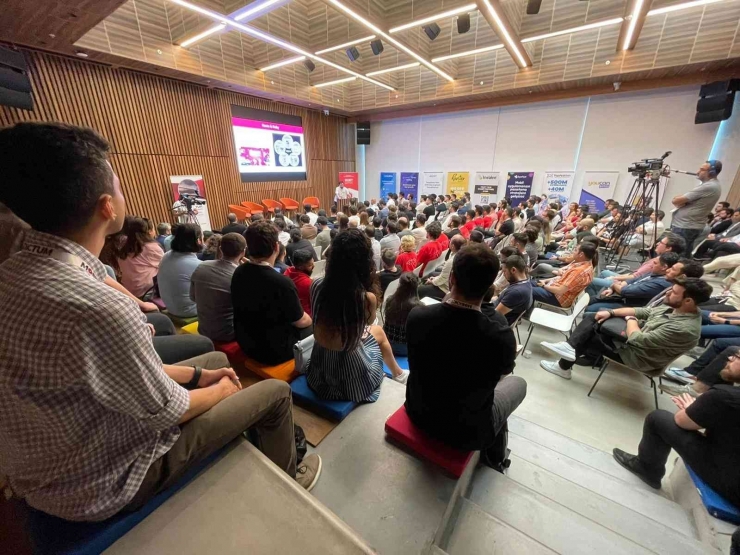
(458, 183)
(190, 205)
(558, 186)
(387, 184)
(410, 185)
(433, 183)
(596, 188)
(519, 187)
(485, 188)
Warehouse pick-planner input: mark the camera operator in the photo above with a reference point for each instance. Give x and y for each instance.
(692, 207)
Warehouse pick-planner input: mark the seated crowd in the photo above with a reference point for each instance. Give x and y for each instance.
(120, 382)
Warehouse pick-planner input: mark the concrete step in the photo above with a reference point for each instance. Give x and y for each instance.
(546, 521)
(478, 533)
(542, 463)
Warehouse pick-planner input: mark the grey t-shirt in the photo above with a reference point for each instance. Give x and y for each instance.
(702, 200)
(210, 288)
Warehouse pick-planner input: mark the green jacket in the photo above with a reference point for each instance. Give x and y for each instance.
(662, 338)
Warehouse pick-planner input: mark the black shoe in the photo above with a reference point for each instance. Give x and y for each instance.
(632, 463)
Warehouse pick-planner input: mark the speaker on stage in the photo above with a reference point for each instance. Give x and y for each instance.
(15, 87)
(363, 132)
(715, 101)
(463, 23)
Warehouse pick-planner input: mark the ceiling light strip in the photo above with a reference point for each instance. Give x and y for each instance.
(468, 53)
(255, 9)
(335, 82)
(437, 17)
(604, 23)
(273, 40)
(389, 38)
(392, 69)
(282, 63)
(632, 24)
(204, 34)
(345, 45)
(684, 6)
(503, 31)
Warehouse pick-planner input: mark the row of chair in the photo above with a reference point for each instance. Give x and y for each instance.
(246, 208)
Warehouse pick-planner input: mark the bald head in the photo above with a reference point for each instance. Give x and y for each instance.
(231, 217)
(457, 242)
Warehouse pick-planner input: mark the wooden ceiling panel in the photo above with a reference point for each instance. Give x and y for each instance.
(717, 32)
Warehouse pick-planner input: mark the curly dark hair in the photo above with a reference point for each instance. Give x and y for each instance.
(349, 274)
(137, 235)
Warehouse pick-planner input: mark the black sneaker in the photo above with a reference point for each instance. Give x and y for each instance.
(633, 464)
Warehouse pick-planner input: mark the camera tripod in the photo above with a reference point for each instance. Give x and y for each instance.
(645, 190)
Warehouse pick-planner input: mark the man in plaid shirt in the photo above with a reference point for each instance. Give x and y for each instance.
(92, 422)
(575, 277)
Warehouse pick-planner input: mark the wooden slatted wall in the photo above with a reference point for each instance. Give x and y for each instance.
(159, 127)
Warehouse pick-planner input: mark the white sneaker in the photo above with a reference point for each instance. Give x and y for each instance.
(403, 377)
(680, 375)
(562, 349)
(553, 367)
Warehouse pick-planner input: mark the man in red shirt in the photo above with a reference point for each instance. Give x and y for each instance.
(478, 215)
(433, 248)
(487, 217)
(300, 273)
(469, 224)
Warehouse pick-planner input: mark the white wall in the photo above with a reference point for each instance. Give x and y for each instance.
(602, 133)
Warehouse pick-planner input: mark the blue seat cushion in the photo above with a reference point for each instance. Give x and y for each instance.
(403, 362)
(304, 395)
(717, 505)
(50, 534)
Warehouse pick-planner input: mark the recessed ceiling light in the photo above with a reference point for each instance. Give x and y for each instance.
(159, 51)
(481, 82)
(52, 35)
(608, 62)
(272, 82)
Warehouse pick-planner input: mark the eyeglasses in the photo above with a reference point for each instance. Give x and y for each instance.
(732, 358)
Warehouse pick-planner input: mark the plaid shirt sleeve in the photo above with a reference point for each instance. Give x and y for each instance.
(121, 368)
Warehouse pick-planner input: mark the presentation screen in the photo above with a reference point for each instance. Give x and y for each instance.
(269, 146)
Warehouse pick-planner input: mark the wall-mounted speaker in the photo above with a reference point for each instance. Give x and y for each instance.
(533, 7)
(363, 132)
(352, 53)
(310, 66)
(463, 23)
(432, 30)
(377, 46)
(715, 101)
(15, 87)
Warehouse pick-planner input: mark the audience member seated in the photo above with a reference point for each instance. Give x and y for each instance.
(280, 265)
(715, 349)
(354, 219)
(308, 231)
(637, 291)
(310, 214)
(531, 249)
(453, 227)
(233, 226)
(283, 236)
(419, 232)
(323, 239)
(516, 299)
(708, 375)
(562, 290)
(652, 336)
(300, 272)
(210, 289)
(391, 240)
(268, 316)
(348, 353)
(407, 260)
(437, 242)
(669, 243)
(164, 230)
(645, 234)
(57, 449)
(297, 242)
(139, 257)
(717, 325)
(397, 309)
(391, 269)
(176, 268)
(501, 282)
(712, 455)
(685, 267)
(403, 228)
(714, 240)
(467, 410)
(210, 250)
(438, 286)
(724, 247)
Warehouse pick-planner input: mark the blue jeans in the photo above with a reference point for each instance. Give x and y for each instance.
(603, 281)
(690, 235)
(603, 306)
(540, 294)
(710, 330)
(712, 352)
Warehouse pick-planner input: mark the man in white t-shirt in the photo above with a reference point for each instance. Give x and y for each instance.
(341, 192)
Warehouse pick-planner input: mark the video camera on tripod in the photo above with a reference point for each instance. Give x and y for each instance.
(191, 200)
(653, 166)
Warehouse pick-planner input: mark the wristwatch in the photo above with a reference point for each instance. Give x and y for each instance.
(628, 318)
(193, 383)
(727, 322)
(611, 313)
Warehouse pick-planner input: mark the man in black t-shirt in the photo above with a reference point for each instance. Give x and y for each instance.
(390, 272)
(714, 456)
(469, 409)
(233, 226)
(268, 317)
(517, 297)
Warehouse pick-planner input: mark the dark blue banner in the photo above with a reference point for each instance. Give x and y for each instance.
(387, 184)
(518, 187)
(410, 185)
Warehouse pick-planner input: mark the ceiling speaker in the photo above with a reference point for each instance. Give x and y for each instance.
(716, 101)
(432, 30)
(377, 46)
(352, 53)
(533, 7)
(310, 66)
(463, 23)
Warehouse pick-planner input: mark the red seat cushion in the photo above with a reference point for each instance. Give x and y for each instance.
(399, 427)
(231, 350)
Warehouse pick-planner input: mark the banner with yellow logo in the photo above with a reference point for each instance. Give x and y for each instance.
(457, 183)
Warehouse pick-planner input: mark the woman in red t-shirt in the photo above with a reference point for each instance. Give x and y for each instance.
(407, 259)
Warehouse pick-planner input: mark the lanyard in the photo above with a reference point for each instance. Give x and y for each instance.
(60, 255)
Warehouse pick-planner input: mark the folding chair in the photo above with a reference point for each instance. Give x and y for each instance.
(559, 322)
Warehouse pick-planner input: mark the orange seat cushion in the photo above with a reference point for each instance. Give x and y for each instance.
(284, 372)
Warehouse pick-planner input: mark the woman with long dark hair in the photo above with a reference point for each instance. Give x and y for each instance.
(348, 353)
(139, 256)
(397, 309)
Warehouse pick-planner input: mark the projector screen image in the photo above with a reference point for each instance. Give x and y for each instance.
(269, 146)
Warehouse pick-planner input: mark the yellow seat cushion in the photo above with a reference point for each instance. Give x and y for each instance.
(191, 328)
(284, 372)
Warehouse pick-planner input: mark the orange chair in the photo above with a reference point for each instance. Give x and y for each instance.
(253, 207)
(241, 212)
(289, 204)
(271, 204)
(285, 372)
(313, 201)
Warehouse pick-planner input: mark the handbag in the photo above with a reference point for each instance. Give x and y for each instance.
(614, 328)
